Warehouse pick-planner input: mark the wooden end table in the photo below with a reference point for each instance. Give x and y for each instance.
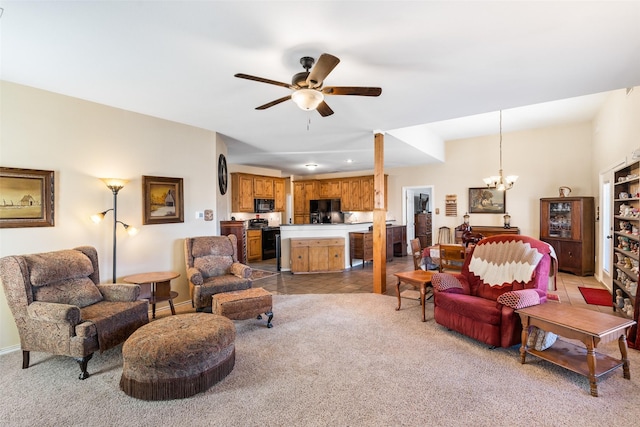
(156, 287)
(588, 326)
(417, 279)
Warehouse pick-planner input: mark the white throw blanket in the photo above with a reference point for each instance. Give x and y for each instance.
(497, 263)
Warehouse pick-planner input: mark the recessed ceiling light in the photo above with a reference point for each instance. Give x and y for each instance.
(349, 161)
(311, 166)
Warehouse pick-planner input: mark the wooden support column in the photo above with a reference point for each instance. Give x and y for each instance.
(379, 219)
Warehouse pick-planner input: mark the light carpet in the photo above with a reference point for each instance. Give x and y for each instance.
(333, 360)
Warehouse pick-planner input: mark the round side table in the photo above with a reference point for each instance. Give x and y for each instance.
(156, 287)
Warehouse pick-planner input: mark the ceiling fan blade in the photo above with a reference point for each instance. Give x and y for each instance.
(352, 90)
(326, 63)
(324, 109)
(263, 80)
(272, 103)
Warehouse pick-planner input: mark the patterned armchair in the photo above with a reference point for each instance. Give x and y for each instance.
(213, 267)
(59, 306)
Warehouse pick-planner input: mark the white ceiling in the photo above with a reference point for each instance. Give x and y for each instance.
(449, 65)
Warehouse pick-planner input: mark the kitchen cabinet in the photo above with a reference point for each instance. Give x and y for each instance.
(246, 187)
(279, 194)
(354, 198)
(626, 223)
(568, 224)
(310, 193)
(303, 193)
(262, 187)
(236, 228)
(254, 245)
(241, 192)
(298, 198)
(423, 229)
(355, 194)
(317, 255)
(367, 193)
(330, 189)
(345, 196)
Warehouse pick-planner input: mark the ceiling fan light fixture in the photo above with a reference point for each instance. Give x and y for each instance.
(307, 99)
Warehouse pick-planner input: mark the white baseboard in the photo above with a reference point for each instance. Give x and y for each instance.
(167, 307)
(8, 350)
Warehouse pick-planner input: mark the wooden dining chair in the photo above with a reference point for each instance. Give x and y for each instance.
(452, 257)
(416, 252)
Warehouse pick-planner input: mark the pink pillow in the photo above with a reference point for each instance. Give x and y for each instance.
(445, 282)
(519, 299)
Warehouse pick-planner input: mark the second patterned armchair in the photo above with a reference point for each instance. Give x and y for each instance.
(213, 267)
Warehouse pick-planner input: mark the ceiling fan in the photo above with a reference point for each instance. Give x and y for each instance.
(308, 93)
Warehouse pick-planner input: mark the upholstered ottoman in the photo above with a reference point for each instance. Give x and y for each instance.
(245, 304)
(177, 356)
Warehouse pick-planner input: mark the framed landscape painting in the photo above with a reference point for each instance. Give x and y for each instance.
(26, 198)
(486, 200)
(163, 200)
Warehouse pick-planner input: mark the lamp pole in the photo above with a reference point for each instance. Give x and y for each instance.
(115, 185)
(115, 190)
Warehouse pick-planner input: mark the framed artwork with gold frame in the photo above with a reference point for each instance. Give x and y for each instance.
(487, 200)
(163, 200)
(26, 198)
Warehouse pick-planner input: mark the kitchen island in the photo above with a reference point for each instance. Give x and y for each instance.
(312, 231)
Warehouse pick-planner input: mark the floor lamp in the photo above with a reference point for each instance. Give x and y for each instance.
(115, 185)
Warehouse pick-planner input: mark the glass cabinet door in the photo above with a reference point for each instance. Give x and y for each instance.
(560, 219)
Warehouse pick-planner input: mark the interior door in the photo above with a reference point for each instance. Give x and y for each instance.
(605, 231)
(410, 215)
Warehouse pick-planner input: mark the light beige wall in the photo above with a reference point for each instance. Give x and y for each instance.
(82, 141)
(616, 130)
(544, 159)
(616, 134)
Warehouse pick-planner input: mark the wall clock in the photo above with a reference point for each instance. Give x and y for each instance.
(222, 174)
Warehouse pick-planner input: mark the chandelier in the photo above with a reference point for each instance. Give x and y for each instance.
(500, 182)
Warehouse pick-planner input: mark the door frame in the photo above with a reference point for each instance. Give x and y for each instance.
(604, 223)
(408, 194)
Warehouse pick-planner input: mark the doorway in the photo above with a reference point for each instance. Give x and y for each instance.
(415, 200)
(605, 229)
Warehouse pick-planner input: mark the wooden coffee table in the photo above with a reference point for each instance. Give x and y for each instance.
(156, 287)
(588, 326)
(417, 279)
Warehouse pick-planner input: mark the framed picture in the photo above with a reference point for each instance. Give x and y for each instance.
(26, 198)
(163, 200)
(486, 200)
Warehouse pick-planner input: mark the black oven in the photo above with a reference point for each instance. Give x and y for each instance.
(269, 237)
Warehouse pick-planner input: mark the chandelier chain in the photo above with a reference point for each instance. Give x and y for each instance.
(500, 143)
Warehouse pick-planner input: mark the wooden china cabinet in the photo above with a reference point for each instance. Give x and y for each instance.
(423, 229)
(626, 223)
(568, 224)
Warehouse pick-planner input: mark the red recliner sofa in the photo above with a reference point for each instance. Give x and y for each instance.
(500, 274)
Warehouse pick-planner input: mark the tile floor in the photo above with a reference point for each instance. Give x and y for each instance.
(360, 279)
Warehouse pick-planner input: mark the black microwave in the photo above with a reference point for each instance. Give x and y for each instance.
(263, 205)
